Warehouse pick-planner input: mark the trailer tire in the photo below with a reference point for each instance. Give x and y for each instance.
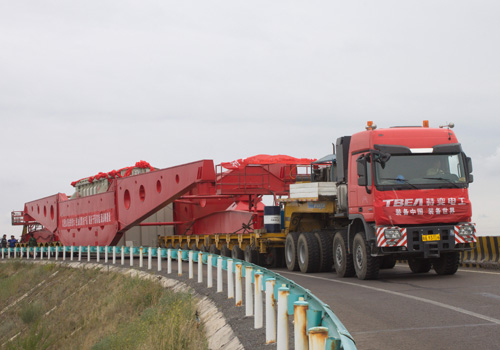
(447, 264)
(225, 251)
(308, 252)
(237, 253)
(419, 265)
(366, 266)
(388, 262)
(213, 249)
(325, 242)
(291, 251)
(251, 255)
(342, 260)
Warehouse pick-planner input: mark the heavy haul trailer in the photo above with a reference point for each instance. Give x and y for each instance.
(400, 193)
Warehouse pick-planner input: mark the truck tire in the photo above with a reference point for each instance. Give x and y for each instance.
(447, 264)
(419, 265)
(291, 251)
(308, 253)
(237, 253)
(325, 242)
(366, 266)
(388, 262)
(251, 255)
(213, 249)
(225, 251)
(344, 265)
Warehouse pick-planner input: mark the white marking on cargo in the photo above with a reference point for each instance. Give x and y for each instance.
(428, 301)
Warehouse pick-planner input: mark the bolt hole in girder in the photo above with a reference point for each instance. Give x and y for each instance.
(44, 211)
(51, 212)
(158, 186)
(142, 193)
(177, 178)
(126, 199)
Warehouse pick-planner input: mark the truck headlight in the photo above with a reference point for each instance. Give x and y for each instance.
(393, 233)
(467, 231)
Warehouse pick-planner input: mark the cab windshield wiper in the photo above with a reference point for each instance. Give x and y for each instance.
(442, 179)
(399, 180)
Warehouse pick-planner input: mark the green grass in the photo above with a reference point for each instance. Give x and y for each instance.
(88, 309)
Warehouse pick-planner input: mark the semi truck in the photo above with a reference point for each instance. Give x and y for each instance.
(383, 195)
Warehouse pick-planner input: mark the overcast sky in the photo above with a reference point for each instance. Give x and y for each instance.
(89, 86)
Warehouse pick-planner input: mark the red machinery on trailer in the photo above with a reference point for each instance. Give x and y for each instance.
(206, 200)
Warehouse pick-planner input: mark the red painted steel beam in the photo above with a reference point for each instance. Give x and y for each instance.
(171, 223)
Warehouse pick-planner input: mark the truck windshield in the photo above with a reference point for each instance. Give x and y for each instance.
(420, 171)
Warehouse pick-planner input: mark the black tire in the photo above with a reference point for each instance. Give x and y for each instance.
(447, 264)
(213, 249)
(278, 257)
(325, 242)
(225, 251)
(388, 262)
(308, 254)
(251, 255)
(366, 266)
(291, 259)
(419, 265)
(343, 262)
(237, 253)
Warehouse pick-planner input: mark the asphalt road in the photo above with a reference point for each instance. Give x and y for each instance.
(402, 310)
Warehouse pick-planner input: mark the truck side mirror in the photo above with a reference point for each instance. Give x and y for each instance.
(361, 168)
(469, 169)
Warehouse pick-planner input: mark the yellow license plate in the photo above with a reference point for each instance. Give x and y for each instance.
(427, 238)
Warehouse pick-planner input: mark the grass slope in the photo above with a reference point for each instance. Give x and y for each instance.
(52, 307)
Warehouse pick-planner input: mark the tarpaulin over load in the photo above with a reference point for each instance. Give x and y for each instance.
(117, 173)
(266, 159)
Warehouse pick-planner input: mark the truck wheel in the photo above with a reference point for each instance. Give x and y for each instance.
(419, 265)
(251, 255)
(291, 251)
(213, 249)
(325, 242)
(388, 262)
(225, 251)
(447, 264)
(308, 252)
(237, 253)
(366, 266)
(343, 262)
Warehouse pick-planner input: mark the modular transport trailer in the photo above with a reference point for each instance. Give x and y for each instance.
(383, 195)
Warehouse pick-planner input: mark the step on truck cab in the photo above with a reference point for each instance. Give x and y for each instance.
(401, 194)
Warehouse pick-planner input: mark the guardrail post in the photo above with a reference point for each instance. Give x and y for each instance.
(123, 255)
(34, 253)
(158, 253)
(190, 256)
(179, 262)
(317, 338)
(41, 253)
(248, 291)
(270, 312)
(15, 253)
(27, 254)
(209, 271)
(64, 252)
(258, 318)
(57, 252)
(219, 274)
(150, 258)
(230, 279)
(333, 343)
(169, 261)
(141, 257)
(200, 267)
(48, 253)
(79, 253)
(131, 255)
(238, 294)
(88, 253)
(71, 253)
(3, 253)
(106, 253)
(282, 343)
(98, 256)
(8, 252)
(114, 255)
(300, 324)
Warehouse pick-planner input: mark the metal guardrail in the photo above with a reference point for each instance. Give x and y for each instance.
(315, 324)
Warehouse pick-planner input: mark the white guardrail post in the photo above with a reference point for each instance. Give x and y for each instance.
(98, 256)
(141, 257)
(209, 271)
(270, 312)
(219, 274)
(158, 253)
(200, 267)
(169, 261)
(179, 262)
(80, 250)
(123, 255)
(71, 253)
(150, 258)
(300, 324)
(131, 255)
(317, 338)
(230, 279)
(238, 287)
(282, 341)
(258, 318)
(106, 254)
(88, 253)
(57, 252)
(248, 291)
(190, 264)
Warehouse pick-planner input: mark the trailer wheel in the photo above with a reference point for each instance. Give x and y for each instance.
(291, 251)
(447, 264)
(419, 265)
(225, 251)
(251, 255)
(344, 265)
(213, 249)
(237, 253)
(366, 266)
(325, 242)
(308, 252)
(388, 262)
